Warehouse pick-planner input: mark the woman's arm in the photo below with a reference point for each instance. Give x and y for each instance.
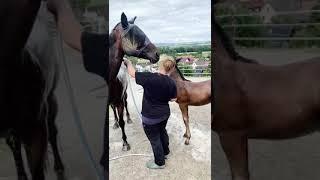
(69, 27)
(131, 70)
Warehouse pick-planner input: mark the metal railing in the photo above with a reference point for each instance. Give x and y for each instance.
(275, 14)
(187, 70)
(195, 71)
(268, 25)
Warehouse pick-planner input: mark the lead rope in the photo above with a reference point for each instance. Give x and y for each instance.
(75, 111)
(134, 100)
(140, 118)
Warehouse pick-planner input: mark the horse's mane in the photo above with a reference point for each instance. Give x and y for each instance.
(227, 43)
(180, 73)
(112, 38)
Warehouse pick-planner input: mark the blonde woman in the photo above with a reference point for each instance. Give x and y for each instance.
(159, 89)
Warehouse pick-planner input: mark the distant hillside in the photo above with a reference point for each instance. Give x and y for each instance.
(182, 44)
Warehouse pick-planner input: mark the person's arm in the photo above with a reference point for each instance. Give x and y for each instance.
(69, 27)
(131, 70)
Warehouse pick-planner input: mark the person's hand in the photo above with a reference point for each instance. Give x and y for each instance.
(172, 100)
(54, 6)
(127, 62)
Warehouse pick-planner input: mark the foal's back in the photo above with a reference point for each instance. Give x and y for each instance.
(273, 101)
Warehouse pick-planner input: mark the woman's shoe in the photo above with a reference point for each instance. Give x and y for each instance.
(152, 165)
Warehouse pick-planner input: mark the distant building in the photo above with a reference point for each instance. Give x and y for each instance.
(187, 60)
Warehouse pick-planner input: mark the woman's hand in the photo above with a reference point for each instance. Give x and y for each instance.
(55, 6)
(131, 70)
(68, 26)
(127, 62)
(172, 100)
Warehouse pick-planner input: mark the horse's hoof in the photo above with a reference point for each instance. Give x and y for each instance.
(129, 121)
(187, 142)
(126, 147)
(115, 126)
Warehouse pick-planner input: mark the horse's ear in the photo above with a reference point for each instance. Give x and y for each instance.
(132, 20)
(124, 21)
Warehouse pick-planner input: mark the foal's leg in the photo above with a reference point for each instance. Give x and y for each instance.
(36, 148)
(185, 115)
(235, 146)
(53, 131)
(129, 121)
(116, 120)
(15, 145)
(126, 146)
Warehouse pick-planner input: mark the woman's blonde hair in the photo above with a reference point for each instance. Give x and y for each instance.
(166, 62)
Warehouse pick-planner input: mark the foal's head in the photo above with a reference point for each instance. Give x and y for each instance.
(169, 65)
(134, 42)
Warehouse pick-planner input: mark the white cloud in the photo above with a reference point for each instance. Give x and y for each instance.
(174, 21)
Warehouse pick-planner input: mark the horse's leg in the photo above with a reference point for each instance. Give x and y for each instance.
(235, 146)
(53, 131)
(126, 146)
(15, 145)
(116, 120)
(185, 115)
(36, 148)
(129, 121)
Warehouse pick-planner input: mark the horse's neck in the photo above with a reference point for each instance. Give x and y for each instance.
(116, 55)
(222, 57)
(176, 76)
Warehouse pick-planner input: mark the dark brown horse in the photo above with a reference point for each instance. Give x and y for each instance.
(190, 94)
(259, 101)
(41, 50)
(22, 86)
(122, 83)
(126, 38)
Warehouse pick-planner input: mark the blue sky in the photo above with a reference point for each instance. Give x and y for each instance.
(166, 21)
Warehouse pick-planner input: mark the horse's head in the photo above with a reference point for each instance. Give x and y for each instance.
(134, 42)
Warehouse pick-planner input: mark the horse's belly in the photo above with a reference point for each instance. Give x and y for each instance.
(284, 127)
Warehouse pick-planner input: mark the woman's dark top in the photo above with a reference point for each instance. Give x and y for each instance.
(158, 91)
(95, 52)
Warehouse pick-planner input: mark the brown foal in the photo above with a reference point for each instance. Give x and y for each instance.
(190, 94)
